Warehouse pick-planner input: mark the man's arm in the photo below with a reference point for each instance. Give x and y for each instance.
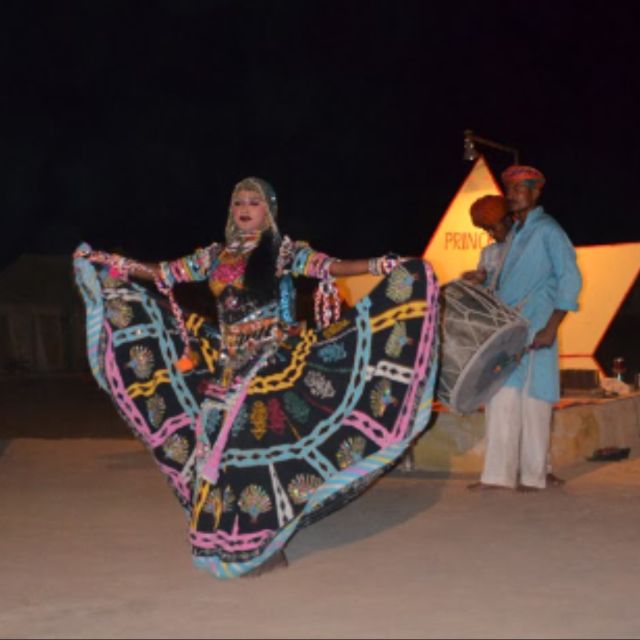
(565, 268)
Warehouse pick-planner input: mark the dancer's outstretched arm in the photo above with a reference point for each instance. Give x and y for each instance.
(374, 266)
(121, 265)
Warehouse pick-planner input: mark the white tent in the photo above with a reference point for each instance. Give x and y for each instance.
(41, 316)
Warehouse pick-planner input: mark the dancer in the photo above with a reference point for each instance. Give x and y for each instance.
(261, 427)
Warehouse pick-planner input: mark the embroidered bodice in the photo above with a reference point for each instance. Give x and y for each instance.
(249, 327)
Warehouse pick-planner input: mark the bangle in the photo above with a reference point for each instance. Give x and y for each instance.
(383, 265)
(119, 268)
(388, 263)
(324, 272)
(166, 279)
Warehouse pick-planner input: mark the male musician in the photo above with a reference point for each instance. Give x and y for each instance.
(490, 213)
(540, 278)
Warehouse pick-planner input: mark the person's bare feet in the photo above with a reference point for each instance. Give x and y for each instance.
(554, 481)
(481, 486)
(277, 561)
(525, 488)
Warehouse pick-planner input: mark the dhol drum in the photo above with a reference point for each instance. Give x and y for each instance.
(482, 340)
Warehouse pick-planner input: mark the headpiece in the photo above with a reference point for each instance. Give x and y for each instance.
(520, 173)
(488, 210)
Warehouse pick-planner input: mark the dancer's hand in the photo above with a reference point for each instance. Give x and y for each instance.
(102, 257)
(83, 251)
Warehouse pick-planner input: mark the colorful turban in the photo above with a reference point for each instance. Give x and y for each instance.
(520, 173)
(488, 210)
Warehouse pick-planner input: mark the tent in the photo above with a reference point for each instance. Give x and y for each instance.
(41, 316)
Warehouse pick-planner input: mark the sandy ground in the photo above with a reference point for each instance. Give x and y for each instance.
(93, 545)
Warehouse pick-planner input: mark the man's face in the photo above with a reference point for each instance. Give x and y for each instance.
(499, 230)
(520, 197)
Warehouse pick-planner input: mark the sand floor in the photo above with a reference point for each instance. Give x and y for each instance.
(93, 545)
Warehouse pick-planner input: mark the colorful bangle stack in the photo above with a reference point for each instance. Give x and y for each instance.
(166, 278)
(326, 298)
(326, 303)
(310, 263)
(83, 251)
(119, 267)
(374, 267)
(388, 263)
(383, 265)
(323, 272)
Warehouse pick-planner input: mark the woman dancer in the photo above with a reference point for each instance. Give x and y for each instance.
(260, 427)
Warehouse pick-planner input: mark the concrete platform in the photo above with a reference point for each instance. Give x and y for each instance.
(580, 425)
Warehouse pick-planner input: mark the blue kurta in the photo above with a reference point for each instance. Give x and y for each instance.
(491, 259)
(540, 275)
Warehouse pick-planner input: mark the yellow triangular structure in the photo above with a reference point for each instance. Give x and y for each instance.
(456, 244)
(608, 273)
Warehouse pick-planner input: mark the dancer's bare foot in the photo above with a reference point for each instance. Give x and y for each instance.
(481, 486)
(407, 462)
(277, 561)
(554, 481)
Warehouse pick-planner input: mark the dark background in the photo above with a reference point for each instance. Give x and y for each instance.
(126, 124)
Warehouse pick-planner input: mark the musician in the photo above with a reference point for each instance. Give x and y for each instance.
(490, 213)
(539, 278)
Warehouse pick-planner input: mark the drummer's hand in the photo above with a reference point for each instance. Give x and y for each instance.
(478, 276)
(547, 335)
(543, 339)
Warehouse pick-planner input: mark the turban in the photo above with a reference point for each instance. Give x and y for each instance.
(519, 173)
(488, 210)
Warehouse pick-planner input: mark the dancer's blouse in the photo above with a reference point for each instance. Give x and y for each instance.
(247, 325)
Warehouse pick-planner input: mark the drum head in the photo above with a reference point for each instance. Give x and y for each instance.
(489, 368)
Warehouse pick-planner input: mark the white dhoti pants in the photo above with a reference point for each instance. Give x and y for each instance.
(518, 429)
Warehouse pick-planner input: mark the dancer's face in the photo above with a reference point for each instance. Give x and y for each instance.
(249, 210)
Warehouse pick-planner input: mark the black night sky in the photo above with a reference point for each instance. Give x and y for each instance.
(126, 124)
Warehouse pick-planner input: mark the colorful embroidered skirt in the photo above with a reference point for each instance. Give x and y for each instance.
(295, 436)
